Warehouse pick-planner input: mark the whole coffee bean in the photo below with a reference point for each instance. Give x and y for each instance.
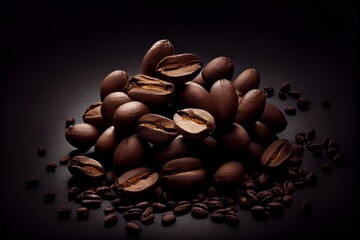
(107, 142)
(82, 135)
(218, 68)
(109, 209)
(303, 104)
(83, 166)
(294, 94)
(92, 115)
(50, 167)
(69, 122)
(300, 138)
(214, 204)
(273, 118)
(192, 95)
(295, 161)
(285, 87)
(297, 149)
(263, 180)
(199, 211)
(199, 80)
(142, 204)
(124, 208)
(234, 140)
(282, 96)
(127, 115)
(110, 103)
(229, 175)
(41, 151)
(158, 207)
(82, 213)
(277, 191)
(105, 192)
(179, 68)
(278, 152)
(247, 80)
(276, 208)
(288, 187)
(156, 129)
(194, 123)
(73, 192)
(63, 212)
(232, 219)
(182, 208)
(49, 196)
(224, 102)
(147, 216)
(132, 214)
(217, 217)
(137, 181)
(305, 208)
(129, 153)
(269, 91)
(183, 175)
(65, 160)
(153, 92)
(116, 202)
(326, 167)
(114, 82)
(310, 179)
(287, 200)
(91, 203)
(339, 159)
(251, 107)
(110, 220)
(168, 219)
(259, 212)
(260, 133)
(264, 197)
(290, 110)
(132, 228)
(155, 54)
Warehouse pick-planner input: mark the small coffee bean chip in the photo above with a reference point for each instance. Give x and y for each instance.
(168, 219)
(305, 208)
(32, 182)
(65, 160)
(290, 110)
(63, 212)
(326, 168)
(132, 228)
(110, 220)
(41, 151)
(50, 167)
(49, 196)
(69, 122)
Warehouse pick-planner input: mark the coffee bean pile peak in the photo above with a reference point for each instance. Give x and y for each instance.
(181, 138)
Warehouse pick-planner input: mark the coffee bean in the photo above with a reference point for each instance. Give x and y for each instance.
(147, 216)
(325, 103)
(297, 149)
(251, 107)
(65, 160)
(290, 110)
(318, 153)
(49, 196)
(107, 142)
(276, 208)
(142, 205)
(313, 147)
(273, 118)
(82, 166)
(63, 212)
(113, 82)
(92, 115)
(124, 208)
(185, 97)
(310, 179)
(159, 207)
(182, 209)
(232, 219)
(305, 208)
(282, 96)
(32, 182)
(259, 212)
(110, 220)
(109, 209)
(199, 211)
(69, 122)
(277, 191)
(303, 104)
(247, 80)
(218, 68)
(287, 200)
(264, 197)
(82, 213)
(332, 143)
(294, 94)
(50, 167)
(41, 151)
(269, 90)
(331, 152)
(300, 138)
(91, 203)
(133, 214)
(235, 139)
(276, 153)
(288, 187)
(285, 87)
(339, 159)
(217, 217)
(168, 219)
(229, 175)
(326, 168)
(82, 135)
(132, 228)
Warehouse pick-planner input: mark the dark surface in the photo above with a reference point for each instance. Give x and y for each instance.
(58, 52)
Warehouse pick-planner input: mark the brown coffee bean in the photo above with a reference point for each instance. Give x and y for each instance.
(287, 200)
(326, 167)
(124, 208)
(232, 219)
(192, 95)
(259, 212)
(278, 152)
(168, 219)
(179, 68)
(110, 220)
(82, 135)
(155, 54)
(109, 209)
(331, 152)
(247, 80)
(214, 205)
(269, 91)
(263, 180)
(50, 167)
(282, 96)
(82, 213)
(303, 104)
(229, 175)
(285, 87)
(290, 110)
(277, 191)
(65, 160)
(110, 103)
(297, 150)
(69, 122)
(133, 214)
(260, 133)
(92, 115)
(159, 207)
(305, 208)
(294, 94)
(273, 118)
(49, 196)
(91, 203)
(107, 142)
(73, 192)
(288, 187)
(251, 107)
(147, 216)
(83, 166)
(264, 197)
(244, 203)
(182, 209)
(143, 205)
(152, 92)
(63, 212)
(41, 151)
(132, 228)
(114, 82)
(339, 159)
(218, 68)
(194, 123)
(199, 211)
(235, 139)
(276, 208)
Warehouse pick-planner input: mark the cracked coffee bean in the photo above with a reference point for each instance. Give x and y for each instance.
(82, 166)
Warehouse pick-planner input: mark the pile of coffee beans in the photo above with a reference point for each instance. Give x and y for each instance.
(182, 138)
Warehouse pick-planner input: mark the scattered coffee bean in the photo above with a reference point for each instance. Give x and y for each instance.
(132, 228)
(168, 219)
(269, 90)
(282, 96)
(294, 94)
(65, 160)
(285, 88)
(110, 220)
(32, 182)
(82, 213)
(290, 110)
(182, 208)
(159, 207)
(50, 167)
(199, 211)
(147, 216)
(41, 151)
(303, 104)
(63, 212)
(305, 208)
(49, 196)
(109, 209)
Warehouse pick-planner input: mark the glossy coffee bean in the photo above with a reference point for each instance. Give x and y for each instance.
(273, 118)
(228, 176)
(129, 153)
(107, 142)
(168, 219)
(218, 68)
(247, 80)
(92, 115)
(114, 82)
(278, 152)
(82, 166)
(110, 103)
(192, 95)
(250, 107)
(234, 140)
(82, 135)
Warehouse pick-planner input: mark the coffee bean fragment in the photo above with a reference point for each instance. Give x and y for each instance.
(82, 213)
(41, 151)
(303, 104)
(65, 160)
(50, 167)
(305, 208)
(282, 96)
(32, 182)
(325, 103)
(269, 91)
(132, 228)
(231, 219)
(339, 159)
(290, 110)
(49, 196)
(63, 212)
(168, 219)
(110, 220)
(326, 168)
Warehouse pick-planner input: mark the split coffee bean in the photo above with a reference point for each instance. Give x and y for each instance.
(82, 166)
(278, 152)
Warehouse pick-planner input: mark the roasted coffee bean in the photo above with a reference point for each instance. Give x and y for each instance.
(32, 182)
(171, 204)
(159, 207)
(282, 96)
(110, 103)
(305, 208)
(90, 195)
(155, 54)
(49, 196)
(127, 115)
(147, 218)
(332, 143)
(303, 104)
(50, 167)
(276, 208)
(63, 212)
(132, 228)
(82, 213)
(199, 211)
(110, 220)
(285, 87)
(168, 219)
(277, 191)
(133, 214)
(325, 103)
(317, 153)
(124, 208)
(264, 197)
(107, 142)
(137, 182)
(310, 179)
(287, 200)
(82, 166)
(326, 168)
(278, 152)
(182, 209)
(288, 187)
(247, 80)
(156, 129)
(310, 134)
(65, 160)
(273, 118)
(314, 146)
(214, 205)
(297, 149)
(251, 107)
(69, 122)
(299, 184)
(143, 204)
(290, 110)
(192, 95)
(217, 217)
(300, 138)
(294, 94)
(228, 176)
(218, 68)
(235, 139)
(109, 209)
(244, 203)
(153, 92)
(260, 133)
(183, 175)
(248, 184)
(263, 180)
(41, 151)
(82, 135)
(227, 201)
(92, 115)
(269, 91)
(73, 192)
(331, 152)
(114, 82)
(295, 160)
(259, 212)
(116, 202)
(232, 219)
(339, 159)
(101, 191)
(91, 203)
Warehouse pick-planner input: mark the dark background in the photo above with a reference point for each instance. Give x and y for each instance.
(55, 55)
